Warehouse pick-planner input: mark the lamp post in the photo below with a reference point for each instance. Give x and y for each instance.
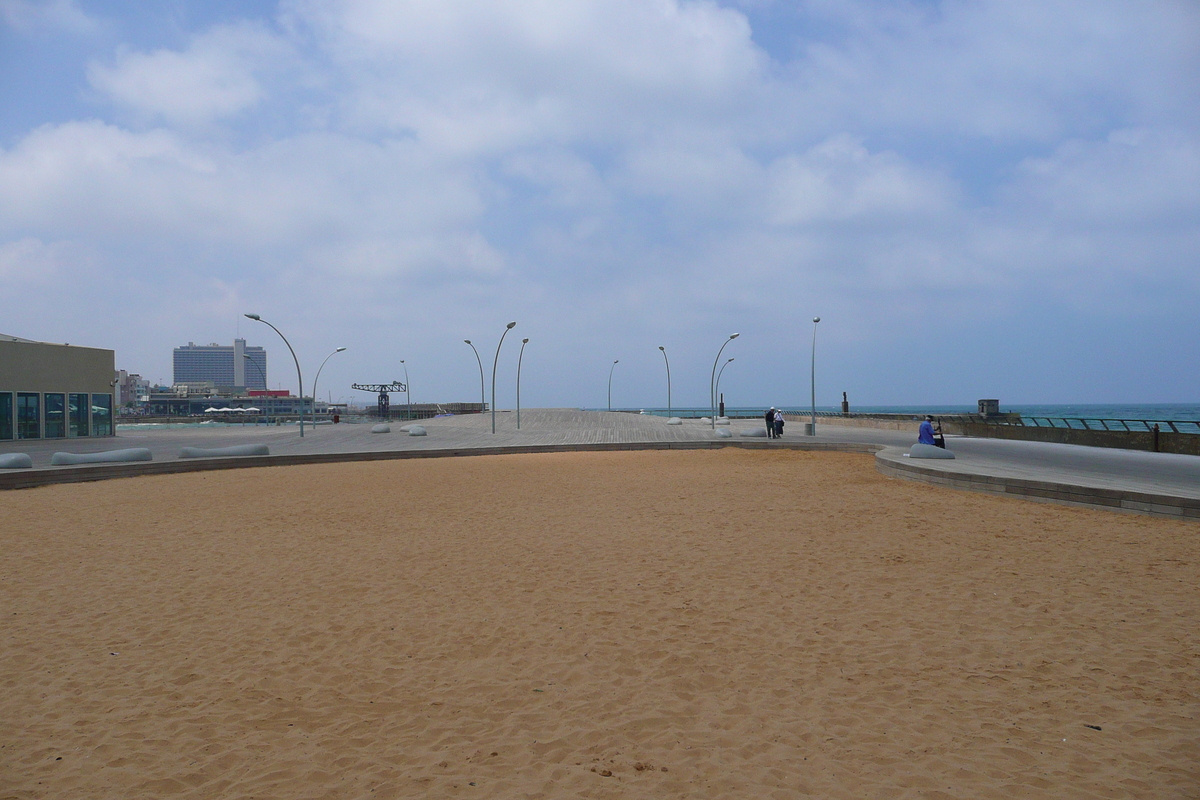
(331, 355)
(712, 402)
(813, 379)
(668, 362)
(299, 378)
(721, 372)
(610, 372)
(496, 361)
(265, 389)
(482, 395)
(521, 356)
(407, 391)
(257, 367)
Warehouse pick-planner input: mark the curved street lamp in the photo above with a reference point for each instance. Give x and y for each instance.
(610, 372)
(719, 373)
(482, 394)
(331, 355)
(299, 378)
(668, 362)
(712, 400)
(813, 379)
(407, 391)
(521, 356)
(257, 367)
(496, 361)
(266, 414)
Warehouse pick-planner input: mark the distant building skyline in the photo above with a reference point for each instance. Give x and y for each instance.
(222, 365)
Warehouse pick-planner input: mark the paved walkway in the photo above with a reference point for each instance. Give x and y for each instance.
(1065, 473)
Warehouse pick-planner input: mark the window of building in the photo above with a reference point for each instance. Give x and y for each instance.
(6, 415)
(56, 416)
(79, 414)
(102, 414)
(28, 416)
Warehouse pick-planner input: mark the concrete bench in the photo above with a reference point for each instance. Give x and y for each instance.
(219, 452)
(15, 461)
(103, 457)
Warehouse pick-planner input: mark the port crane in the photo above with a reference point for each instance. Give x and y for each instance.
(383, 389)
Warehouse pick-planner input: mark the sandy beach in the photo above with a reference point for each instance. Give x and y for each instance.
(725, 623)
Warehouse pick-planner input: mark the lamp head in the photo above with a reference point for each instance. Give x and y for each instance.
(511, 325)
(734, 335)
(660, 347)
(524, 341)
(468, 341)
(245, 356)
(254, 316)
(729, 360)
(816, 320)
(340, 350)
(618, 361)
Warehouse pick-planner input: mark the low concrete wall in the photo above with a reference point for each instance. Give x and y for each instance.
(27, 479)
(890, 462)
(858, 422)
(1187, 444)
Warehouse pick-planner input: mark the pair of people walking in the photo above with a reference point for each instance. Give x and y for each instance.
(774, 421)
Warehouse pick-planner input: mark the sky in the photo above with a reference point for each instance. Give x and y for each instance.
(991, 199)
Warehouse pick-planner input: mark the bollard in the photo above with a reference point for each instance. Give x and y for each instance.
(1154, 430)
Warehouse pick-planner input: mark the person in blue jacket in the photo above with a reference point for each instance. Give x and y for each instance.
(927, 435)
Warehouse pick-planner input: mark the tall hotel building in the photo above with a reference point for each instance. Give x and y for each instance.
(222, 365)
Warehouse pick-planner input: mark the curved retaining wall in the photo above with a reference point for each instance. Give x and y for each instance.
(891, 462)
(27, 479)
(888, 460)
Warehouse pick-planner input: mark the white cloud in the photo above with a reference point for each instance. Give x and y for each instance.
(1131, 179)
(840, 180)
(217, 77)
(478, 77)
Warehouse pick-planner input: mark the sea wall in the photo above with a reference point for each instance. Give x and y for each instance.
(973, 425)
(1180, 443)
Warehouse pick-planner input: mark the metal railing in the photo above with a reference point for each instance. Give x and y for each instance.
(1102, 424)
(1119, 425)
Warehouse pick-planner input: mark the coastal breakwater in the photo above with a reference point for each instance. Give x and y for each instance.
(1009, 427)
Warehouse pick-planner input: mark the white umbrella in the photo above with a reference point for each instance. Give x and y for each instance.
(252, 408)
(210, 410)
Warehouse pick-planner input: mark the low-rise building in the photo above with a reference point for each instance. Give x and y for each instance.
(54, 391)
(131, 389)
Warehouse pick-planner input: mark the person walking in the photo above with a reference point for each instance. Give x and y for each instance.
(778, 424)
(769, 417)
